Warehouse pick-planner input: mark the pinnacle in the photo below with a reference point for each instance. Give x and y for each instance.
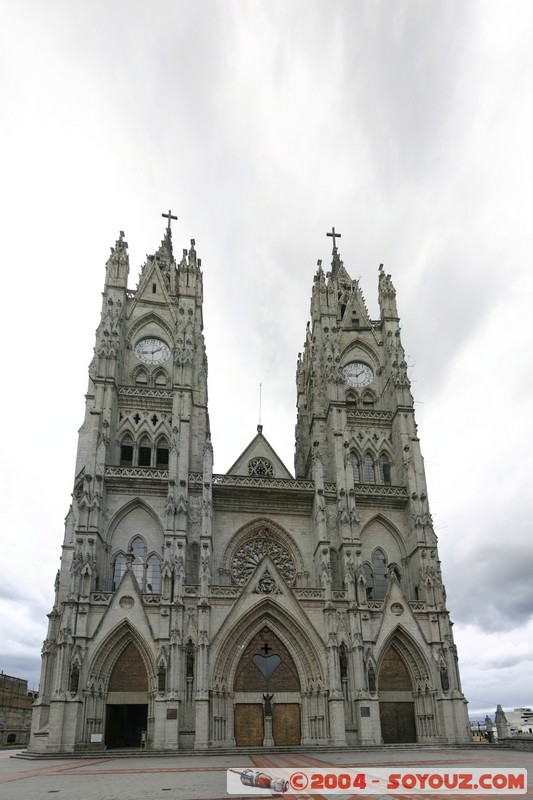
(120, 244)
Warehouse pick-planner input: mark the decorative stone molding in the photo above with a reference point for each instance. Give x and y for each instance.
(195, 479)
(135, 391)
(248, 555)
(136, 472)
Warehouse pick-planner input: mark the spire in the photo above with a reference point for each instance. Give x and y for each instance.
(163, 257)
(337, 265)
(336, 262)
(166, 243)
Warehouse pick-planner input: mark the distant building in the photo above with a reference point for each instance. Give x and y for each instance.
(520, 720)
(15, 710)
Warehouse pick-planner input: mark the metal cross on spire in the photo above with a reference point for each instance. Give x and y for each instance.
(335, 235)
(170, 216)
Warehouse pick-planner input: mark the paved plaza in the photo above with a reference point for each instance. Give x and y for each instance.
(203, 777)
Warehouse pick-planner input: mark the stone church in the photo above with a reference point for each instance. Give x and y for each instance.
(195, 610)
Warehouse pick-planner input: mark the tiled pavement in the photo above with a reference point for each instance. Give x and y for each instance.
(203, 777)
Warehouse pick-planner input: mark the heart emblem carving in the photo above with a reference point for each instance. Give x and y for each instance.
(266, 665)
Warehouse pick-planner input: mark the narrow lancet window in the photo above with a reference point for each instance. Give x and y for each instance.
(368, 467)
(145, 452)
(126, 451)
(161, 453)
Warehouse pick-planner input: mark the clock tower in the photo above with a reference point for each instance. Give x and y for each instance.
(196, 610)
(356, 437)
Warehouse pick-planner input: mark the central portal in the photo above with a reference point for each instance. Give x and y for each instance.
(266, 672)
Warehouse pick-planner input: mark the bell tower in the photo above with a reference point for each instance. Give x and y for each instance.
(356, 438)
(355, 410)
(134, 532)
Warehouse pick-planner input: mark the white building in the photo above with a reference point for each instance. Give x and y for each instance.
(196, 610)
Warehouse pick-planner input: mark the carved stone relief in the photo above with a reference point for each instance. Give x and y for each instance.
(246, 558)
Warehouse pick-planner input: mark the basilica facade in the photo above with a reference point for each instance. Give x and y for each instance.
(196, 610)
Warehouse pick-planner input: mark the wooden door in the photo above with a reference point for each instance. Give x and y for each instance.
(286, 724)
(397, 723)
(249, 730)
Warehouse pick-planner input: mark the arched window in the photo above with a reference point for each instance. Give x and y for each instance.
(145, 452)
(368, 469)
(153, 575)
(126, 451)
(368, 400)
(369, 579)
(161, 380)
(138, 551)
(384, 469)
(161, 453)
(356, 466)
(193, 564)
(351, 402)
(379, 563)
(141, 378)
(119, 569)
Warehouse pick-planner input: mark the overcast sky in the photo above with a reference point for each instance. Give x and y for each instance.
(406, 125)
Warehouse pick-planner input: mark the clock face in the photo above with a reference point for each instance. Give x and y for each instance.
(357, 374)
(152, 351)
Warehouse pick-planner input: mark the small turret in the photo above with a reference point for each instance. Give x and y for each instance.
(386, 296)
(118, 264)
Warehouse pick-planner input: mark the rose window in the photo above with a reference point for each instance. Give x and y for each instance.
(246, 558)
(261, 467)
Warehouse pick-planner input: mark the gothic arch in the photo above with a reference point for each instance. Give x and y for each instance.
(250, 530)
(390, 527)
(122, 512)
(145, 321)
(111, 649)
(414, 659)
(138, 370)
(231, 640)
(354, 351)
(369, 399)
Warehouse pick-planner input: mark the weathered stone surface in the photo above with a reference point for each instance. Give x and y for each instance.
(189, 603)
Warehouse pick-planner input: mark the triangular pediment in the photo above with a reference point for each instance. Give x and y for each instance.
(266, 595)
(398, 614)
(126, 603)
(261, 460)
(356, 309)
(153, 286)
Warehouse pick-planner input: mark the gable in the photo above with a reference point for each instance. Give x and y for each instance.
(260, 459)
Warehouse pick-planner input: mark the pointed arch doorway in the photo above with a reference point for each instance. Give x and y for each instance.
(267, 690)
(396, 701)
(127, 701)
